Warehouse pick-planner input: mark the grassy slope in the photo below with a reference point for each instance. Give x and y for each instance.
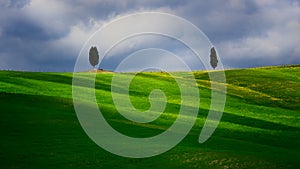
(260, 126)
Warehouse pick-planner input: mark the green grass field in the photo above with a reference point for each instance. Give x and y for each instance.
(260, 127)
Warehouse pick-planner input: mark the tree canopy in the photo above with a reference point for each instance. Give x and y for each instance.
(213, 58)
(93, 56)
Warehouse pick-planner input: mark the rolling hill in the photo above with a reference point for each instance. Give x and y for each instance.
(260, 127)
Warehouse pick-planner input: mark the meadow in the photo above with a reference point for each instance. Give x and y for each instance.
(260, 126)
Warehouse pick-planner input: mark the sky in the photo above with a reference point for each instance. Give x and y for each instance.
(44, 35)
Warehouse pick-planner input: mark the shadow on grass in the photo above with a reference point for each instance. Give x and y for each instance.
(49, 125)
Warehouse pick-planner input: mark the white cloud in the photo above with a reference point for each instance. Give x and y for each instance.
(54, 15)
(276, 43)
(76, 38)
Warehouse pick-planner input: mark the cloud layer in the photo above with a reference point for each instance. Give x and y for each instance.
(42, 35)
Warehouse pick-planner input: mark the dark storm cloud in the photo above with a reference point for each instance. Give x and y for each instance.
(27, 30)
(14, 3)
(224, 20)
